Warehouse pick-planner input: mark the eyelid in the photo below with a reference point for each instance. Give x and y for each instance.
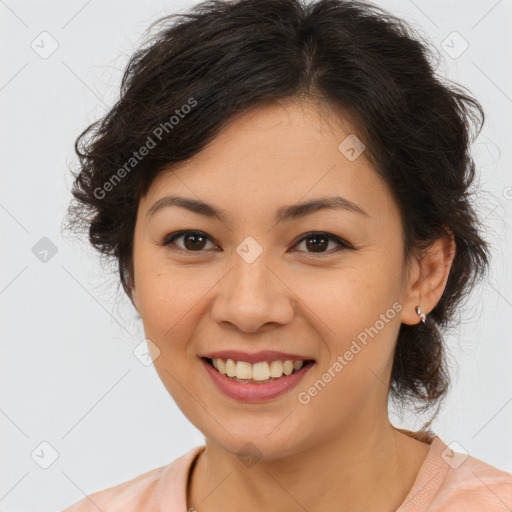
(342, 243)
(169, 239)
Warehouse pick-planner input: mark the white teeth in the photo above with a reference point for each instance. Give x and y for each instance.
(276, 369)
(230, 368)
(287, 367)
(261, 371)
(243, 370)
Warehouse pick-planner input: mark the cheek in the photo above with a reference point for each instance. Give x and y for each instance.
(356, 311)
(172, 306)
(346, 301)
(358, 322)
(170, 302)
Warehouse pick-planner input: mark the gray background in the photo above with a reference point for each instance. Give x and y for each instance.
(68, 373)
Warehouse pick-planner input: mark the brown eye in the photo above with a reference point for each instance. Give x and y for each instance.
(318, 242)
(315, 243)
(193, 241)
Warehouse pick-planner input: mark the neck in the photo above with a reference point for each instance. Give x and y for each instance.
(367, 470)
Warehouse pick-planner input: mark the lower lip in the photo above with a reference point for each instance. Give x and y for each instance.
(255, 392)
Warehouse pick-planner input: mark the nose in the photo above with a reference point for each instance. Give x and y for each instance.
(253, 296)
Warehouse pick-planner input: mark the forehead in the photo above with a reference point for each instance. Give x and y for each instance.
(276, 154)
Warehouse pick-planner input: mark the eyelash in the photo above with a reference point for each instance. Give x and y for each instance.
(169, 239)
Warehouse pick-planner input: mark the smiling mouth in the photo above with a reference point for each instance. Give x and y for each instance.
(258, 373)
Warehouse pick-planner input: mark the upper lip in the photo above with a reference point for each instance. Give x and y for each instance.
(255, 357)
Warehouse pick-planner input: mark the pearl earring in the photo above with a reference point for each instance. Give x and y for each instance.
(421, 314)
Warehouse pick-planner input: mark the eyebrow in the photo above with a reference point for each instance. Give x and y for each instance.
(283, 214)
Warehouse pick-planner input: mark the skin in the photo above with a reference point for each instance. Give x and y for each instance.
(326, 454)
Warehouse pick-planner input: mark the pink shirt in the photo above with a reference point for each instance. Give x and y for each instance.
(447, 481)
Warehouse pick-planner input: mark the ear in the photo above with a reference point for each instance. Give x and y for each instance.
(135, 299)
(427, 279)
(133, 290)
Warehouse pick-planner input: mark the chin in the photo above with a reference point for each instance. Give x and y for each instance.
(258, 445)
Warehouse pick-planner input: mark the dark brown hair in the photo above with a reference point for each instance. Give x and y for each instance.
(221, 58)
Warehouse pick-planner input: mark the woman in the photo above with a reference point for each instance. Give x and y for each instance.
(285, 188)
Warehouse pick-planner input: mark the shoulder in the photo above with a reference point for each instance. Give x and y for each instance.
(473, 485)
(141, 493)
(132, 495)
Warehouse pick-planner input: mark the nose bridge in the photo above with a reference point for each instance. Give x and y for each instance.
(251, 275)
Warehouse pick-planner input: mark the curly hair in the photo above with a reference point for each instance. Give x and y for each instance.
(222, 58)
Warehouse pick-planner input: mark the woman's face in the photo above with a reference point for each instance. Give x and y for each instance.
(252, 282)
